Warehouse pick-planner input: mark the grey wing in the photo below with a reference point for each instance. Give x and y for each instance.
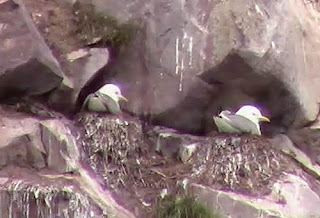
(110, 104)
(224, 113)
(242, 124)
(224, 126)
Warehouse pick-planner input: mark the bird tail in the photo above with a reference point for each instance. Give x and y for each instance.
(85, 103)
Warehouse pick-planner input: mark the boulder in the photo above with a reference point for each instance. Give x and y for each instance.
(307, 140)
(280, 203)
(36, 143)
(253, 51)
(35, 151)
(171, 143)
(231, 205)
(27, 193)
(84, 66)
(20, 141)
(27, 64)
(60, 146)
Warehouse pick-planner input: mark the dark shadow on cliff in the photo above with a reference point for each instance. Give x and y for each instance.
(235, 83)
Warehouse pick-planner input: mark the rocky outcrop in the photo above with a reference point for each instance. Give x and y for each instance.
(36, 156)
(307, 140)
(278, 204)
(253, 51)
(25, 193)
(21, 141)
(27, 64)
(73, 162)
(83, 66)
(187, 61)
(238, 175)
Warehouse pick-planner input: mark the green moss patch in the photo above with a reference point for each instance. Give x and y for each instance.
(95, 27)
(185, 207)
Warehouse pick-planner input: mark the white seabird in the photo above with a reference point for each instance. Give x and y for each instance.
(245, 120)
(105, 99)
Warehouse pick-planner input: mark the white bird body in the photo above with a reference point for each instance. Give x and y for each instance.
(106, 99)
(245, 120)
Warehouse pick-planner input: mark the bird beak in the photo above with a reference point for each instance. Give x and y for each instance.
(122, 98)
(264, 119)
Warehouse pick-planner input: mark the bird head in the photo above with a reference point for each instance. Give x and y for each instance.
(252, 113)
(112, 91)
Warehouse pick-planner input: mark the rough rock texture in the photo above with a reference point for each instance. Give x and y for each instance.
(25, 193)
(189, 60)
(255, 51)
(307, 140)
(27, 64)
(233, 205)
(112, 162)
(21, 141)
(27, 140)
(240, 175)
(83, 66)
(36, 153)
(60, 145)
(279, 203)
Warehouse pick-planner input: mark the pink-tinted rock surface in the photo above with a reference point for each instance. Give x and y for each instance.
(188, 60)
(252, 51)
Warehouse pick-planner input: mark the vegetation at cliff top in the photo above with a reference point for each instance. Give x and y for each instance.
(183, 207)
(95, 27)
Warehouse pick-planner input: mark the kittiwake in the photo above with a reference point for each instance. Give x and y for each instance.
(105, 99)
(245, 120)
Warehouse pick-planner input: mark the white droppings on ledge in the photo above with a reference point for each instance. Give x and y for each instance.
(182, 65)
(177, 55)
(186, 44)
(182, 4)
(181, 75)
(190, 50)
(258, 10)
(185, 36)
(3, 27)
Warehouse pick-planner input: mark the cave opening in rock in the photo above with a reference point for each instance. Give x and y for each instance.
(240, 83)
(234, 83)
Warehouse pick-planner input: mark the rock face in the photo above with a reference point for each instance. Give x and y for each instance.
(83, 65)
(76, 166)
(188, 61)
(278, 204)
(25, 194)
(27, 64)
(36, 155)
(252, 51)
(238, 176)
(20, 141)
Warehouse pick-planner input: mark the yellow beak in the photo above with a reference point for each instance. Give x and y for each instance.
(264, 119)
(122, 98)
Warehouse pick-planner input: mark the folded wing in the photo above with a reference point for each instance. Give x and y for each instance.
(231, 123)
(111, 105)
